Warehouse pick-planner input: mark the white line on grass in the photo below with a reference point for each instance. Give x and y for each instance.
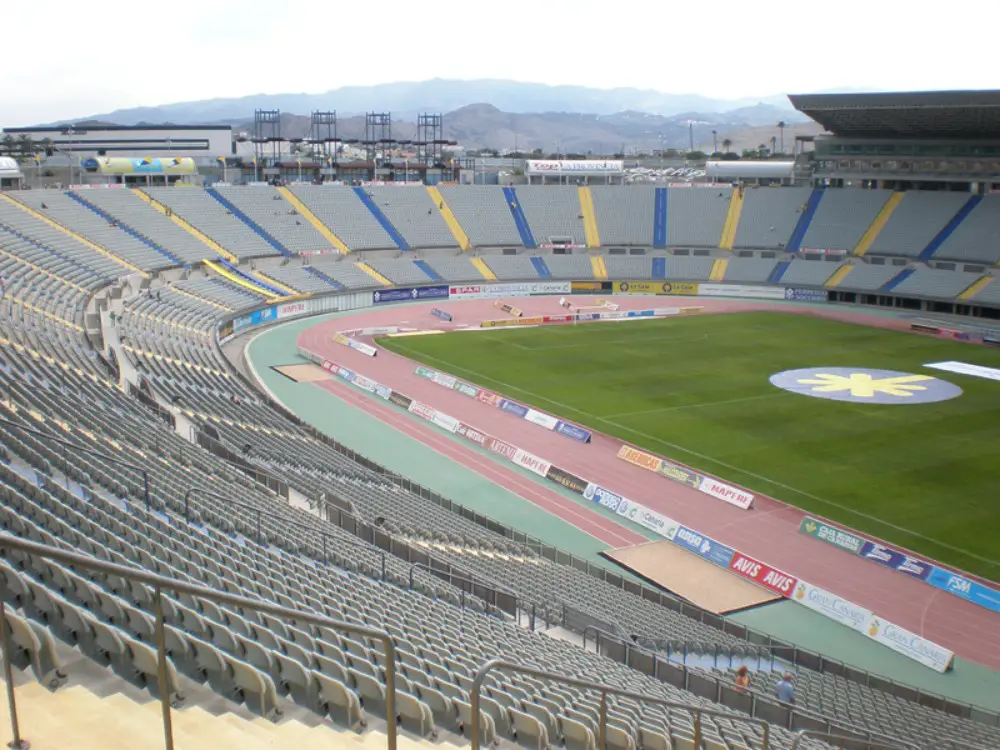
(682, 407)
(479, 376)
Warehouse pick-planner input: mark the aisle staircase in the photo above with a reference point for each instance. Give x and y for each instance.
(598, 267)
(805, 219)
(241, 280)
(589, 217)
(449, 217)
(373, 273)
(125, 228)
(838, 276)
(865, 243)
(212, 245)
(975, 288)
(306, 213)
(728, 238)
(269, 238)
(719, 267)
(484, 270)
(660, 218)
(520, 220)
(939, 239)
(70, 233)
(74, 717)
(381, 218)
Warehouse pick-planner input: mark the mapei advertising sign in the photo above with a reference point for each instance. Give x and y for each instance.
(409, 294)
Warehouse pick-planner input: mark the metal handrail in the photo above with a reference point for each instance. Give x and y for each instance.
(472, 581)
(160, 583)
(605, 691)
(89, 451)
(820, 735)
(370, 548)
(756, 697)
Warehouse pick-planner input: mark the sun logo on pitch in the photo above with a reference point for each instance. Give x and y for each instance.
(863, 385)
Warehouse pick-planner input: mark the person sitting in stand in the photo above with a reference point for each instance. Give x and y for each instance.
(742, 679)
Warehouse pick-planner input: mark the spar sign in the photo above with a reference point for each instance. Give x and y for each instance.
(493, 291)
(763, 575)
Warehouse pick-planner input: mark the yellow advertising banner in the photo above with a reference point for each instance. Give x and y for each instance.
(512, 322)
(682, 288)
(586, 286)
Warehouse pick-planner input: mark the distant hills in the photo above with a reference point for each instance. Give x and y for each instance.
(524, 115)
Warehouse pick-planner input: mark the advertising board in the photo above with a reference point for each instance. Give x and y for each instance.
(962, 587)
(727, 493)
(832, 606)
(763, 575)
(806, 295)
(896, 560)
(409, 294)
(491, 291)
(831, 535)
(703, 546)
(683, 288)
(741, 290)
(910, 644)
(556, 167)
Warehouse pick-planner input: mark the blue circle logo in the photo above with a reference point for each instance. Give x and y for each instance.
(863, 386)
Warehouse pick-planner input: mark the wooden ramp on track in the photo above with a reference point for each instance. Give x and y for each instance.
(309, 373)
(686, 575)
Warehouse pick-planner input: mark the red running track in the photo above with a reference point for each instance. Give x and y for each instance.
(769, 532)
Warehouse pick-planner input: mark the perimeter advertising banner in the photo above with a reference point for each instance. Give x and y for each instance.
(492, 291)
(409, 294)
(681, 288)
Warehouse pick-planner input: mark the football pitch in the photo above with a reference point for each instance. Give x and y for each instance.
(697, 390)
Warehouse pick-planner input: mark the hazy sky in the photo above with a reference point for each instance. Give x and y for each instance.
(78, 59)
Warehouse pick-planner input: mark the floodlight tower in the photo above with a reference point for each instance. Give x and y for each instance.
(267, 134)
(323, 129)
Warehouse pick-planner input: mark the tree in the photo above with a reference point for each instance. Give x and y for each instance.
(781, 130)
(9, 145)
(727, 144)
(25, 146)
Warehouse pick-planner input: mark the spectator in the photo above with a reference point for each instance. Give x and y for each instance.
(742, 679)
(785, 689)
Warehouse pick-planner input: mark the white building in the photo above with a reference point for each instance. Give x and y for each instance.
(203, 143)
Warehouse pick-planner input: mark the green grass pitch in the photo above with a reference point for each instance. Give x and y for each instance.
(695, 389)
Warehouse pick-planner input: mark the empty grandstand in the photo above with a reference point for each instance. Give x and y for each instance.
(129, 437)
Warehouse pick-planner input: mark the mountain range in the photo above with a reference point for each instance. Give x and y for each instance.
(406, 99)
(525, 116)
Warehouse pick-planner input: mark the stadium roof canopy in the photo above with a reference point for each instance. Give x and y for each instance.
(932, 114)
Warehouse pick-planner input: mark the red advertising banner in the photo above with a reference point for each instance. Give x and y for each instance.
(763, 575)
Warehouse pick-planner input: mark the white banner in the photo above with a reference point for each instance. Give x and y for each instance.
(292, 309)
(732, 495)
(366, 349)
(830, 605)
(542, 420)
(490, 291)
(741, 290)
(446, 380)
(531, 462)
(364, 383)
(559, 167)
(445, 422)
(422, 410)
(909, 644)
(964, 368)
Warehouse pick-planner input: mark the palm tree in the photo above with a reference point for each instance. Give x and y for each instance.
(715, 141)
(727, 144)
(25, 146)
(781, 130)
(774, 145)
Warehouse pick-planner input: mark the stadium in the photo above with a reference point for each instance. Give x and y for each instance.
(526, 465)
